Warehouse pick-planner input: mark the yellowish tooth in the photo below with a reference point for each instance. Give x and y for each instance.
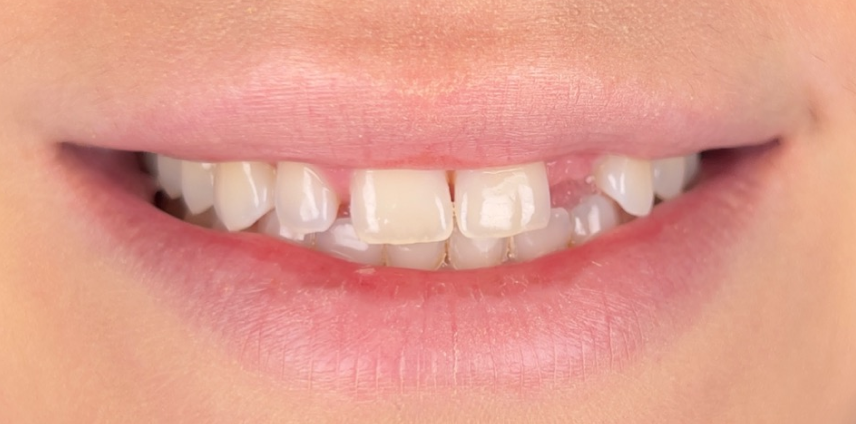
(628, 181)
(305, 202)
(243, 192)
(169, 175)
(536, 243)
(468, 253)
(197, 185)
(424, 256)
(501, 202)
(341, 240)
(401, 206)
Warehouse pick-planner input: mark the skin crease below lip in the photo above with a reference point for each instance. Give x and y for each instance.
(276, 306)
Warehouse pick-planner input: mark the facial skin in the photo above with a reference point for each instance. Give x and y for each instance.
(83, 342)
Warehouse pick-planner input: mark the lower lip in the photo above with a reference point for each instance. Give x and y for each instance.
(323, 324)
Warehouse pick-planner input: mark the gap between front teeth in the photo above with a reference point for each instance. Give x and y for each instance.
(408, 218)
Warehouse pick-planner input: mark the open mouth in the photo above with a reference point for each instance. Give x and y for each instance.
(424, 266)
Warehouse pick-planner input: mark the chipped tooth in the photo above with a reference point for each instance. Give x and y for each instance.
(341, 240)
(197, 185)
(472, 253)
(243, 192)
(270, 225)
(169, 175)
(401, 206)
(305, 202)
(629, 181)
(669, 177)
(425, 256)
(692, 168)
(536, 243)
(502, 202)
(594, 215)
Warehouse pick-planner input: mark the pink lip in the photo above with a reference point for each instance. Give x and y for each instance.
(319, 323)
(306, 113)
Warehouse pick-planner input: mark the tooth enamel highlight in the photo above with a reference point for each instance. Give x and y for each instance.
(197, 185)
(341, 240)
(472, 253)
(270, 225)
(669, 177)
(401, 206)
(536, 243)
(243, 192)
(628, 181)
(594, 215)
(693, 164)
(169, 175)
(502, 202)
(305, 203)
(424, 256)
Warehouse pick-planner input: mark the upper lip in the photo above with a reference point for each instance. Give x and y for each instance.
(307, 114)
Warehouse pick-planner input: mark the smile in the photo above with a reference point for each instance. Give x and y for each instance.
(412, 253)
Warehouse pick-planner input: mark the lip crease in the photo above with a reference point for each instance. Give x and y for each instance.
(317, 323)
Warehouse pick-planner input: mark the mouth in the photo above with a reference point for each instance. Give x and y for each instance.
(430, 258)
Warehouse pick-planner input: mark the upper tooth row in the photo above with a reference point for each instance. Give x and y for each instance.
(405, 207)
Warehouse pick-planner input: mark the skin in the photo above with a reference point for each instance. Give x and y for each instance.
(83, 342)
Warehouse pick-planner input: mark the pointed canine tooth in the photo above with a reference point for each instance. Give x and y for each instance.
(426, 256)
(628, 181)
(401, 206)
(468, 253)
(305, 202)
(197, 185)
(669, 177)
(169, 175)
(243, 192)
(270, 225)
(502, 202)
(692, 168)
(536, 243)
(594, 215)
(341, 240)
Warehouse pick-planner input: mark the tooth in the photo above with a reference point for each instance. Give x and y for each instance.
(305, 203)
(270, 225)
(426, 256)
(197, 185)
(169, 175)
(502, 202)
(401, 206)
(628, 181)
(669, 177)
(243, 192)
(692, 168)
(471, 253)
(341, 240)
(593, 215)
(536, 243)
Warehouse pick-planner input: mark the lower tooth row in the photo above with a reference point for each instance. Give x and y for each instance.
(407, 219)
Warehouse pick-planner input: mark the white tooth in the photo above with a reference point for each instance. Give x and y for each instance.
(243, 192)
(426, 256)
(341, 240)
(536, 243)
(305, 202)
(669, 177)
(401, 206)
(197, 185)
(169, 175)
(592, 216)
(692, 168)
(502, 202)
(471, 253)
(270, 225)
(628, 181)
